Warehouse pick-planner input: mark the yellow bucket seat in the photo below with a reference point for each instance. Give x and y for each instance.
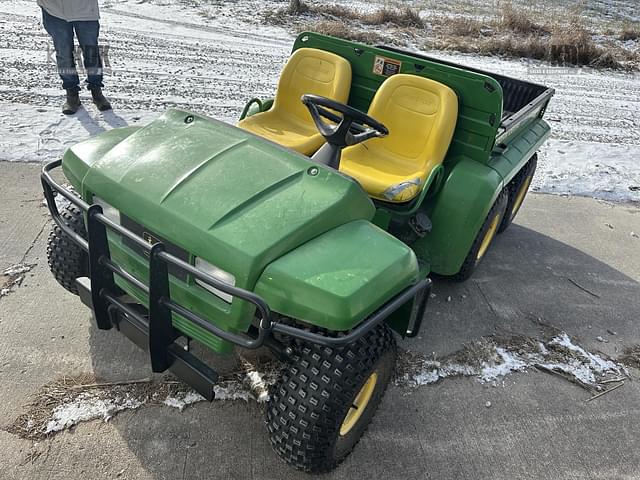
(288, 122)
(421, 116)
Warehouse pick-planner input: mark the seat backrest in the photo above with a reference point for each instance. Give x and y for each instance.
(421, 116)
(311, 71)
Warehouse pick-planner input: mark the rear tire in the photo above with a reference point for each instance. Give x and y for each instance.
(311, 418)
(484, 238)
(67, 261)
(518, 189)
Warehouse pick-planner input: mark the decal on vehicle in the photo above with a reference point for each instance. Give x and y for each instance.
(386, 66)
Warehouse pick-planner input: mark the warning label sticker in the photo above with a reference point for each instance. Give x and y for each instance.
(386, 66)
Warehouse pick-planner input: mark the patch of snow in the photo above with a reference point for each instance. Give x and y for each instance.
(103, 402)
(427, 377)
(13, 277)
(43, 134)
(254, 386)
(596, 363)
(183, 400)
(232, 391)
(88, 406)
(586, 367)
(258, 386)
(608, 171)
(18, 269)
(506, 363)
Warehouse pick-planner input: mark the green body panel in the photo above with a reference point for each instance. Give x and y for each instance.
(333, 287)
(240, 203)
(457, 213)
(520, 148)
(459, 209)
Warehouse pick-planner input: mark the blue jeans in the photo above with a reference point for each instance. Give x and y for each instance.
(87, 33)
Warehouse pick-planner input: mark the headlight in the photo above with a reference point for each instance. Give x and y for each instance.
(108, 211)
(218, 274)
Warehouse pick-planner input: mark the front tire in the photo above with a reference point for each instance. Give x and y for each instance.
(67, 261)
(326, 397)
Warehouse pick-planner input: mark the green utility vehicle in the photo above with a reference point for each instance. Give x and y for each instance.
(310, 229)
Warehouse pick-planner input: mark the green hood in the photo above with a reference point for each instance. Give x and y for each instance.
(250, 207)
(220, 193)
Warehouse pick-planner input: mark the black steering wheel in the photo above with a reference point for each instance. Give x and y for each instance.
(351, 127)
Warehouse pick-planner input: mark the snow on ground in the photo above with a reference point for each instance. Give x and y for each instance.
(183, 400)
(211, 57)
(12, 277)
(491, 360)
(610, 171)
(87, 407)
(63, 404)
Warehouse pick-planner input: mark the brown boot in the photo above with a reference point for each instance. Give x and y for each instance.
(72, 104)
(99, 99)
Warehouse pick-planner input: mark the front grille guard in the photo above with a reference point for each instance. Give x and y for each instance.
(161, 333)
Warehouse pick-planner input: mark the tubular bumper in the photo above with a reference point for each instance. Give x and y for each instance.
(153, 329)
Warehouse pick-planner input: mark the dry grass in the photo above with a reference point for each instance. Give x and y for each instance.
(400, 17)
(461, 26)
(339, 29)
(631, 356)
(517, 33)
(87, 389)
(404, 17)
(630, 33)
(519, 21)
(337, 11)
(296, 7)
(33, 423)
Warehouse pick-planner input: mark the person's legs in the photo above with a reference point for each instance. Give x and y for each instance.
(61, 33)
(87, 33)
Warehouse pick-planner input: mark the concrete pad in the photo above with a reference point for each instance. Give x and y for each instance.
(21, 219)
(560, 264)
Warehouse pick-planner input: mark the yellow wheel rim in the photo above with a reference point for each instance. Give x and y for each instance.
(520, 197)
(359, 404)
(486, 241)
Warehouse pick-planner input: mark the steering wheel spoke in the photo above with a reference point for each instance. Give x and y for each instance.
(350, 126)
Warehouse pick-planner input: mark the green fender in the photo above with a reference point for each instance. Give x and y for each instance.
(339, 278)
(457, 213)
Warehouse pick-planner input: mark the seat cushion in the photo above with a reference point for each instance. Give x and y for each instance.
(285, 131)
(288, 122)
(421, 115)
(380, 174)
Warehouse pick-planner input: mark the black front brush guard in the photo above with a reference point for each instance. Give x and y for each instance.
(153, 329)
